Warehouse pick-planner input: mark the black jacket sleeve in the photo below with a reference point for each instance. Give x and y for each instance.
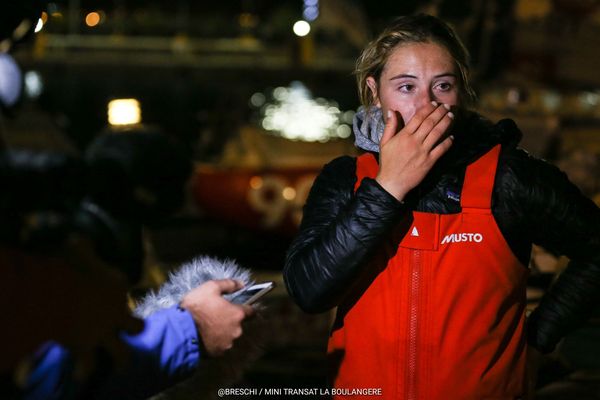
(339, 230)
(559, 218)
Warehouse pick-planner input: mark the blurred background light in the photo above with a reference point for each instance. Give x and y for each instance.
(589, 99)
(256, 182)
(551, 100)
(295, 115)
(310, 10)
(513, 96)
(39, 25)
(289, 193)
(247, 20)
(92, 19)
(33, 84)
(10, 80)
(343, 131)
(310, 13)
(301, 28)
(257, 100)
(124, 112)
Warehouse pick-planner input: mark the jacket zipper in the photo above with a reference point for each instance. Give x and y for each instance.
(415, 283)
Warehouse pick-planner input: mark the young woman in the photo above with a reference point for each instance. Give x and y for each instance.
(422, 243)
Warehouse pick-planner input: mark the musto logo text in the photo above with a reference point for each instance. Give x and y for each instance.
(463, 237)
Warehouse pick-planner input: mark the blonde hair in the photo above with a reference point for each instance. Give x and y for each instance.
(420, 28)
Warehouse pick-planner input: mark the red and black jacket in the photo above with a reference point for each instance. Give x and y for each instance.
(533, 202)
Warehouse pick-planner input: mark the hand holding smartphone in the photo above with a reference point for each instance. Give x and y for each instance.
(253, 293)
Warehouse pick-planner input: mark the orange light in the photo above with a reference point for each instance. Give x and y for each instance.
(92, 19)
(256, 182)
(44, 17)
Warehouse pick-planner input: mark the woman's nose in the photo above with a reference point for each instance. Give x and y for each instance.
(425, 97)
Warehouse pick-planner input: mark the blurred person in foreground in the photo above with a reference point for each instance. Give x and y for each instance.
(71, 247)
(70, 254)
(422, 243)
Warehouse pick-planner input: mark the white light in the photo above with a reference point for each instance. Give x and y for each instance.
(280, 93)
(124, 112)
(33, 84)
(348, 117)
(344, 131)
(589, 99)
(301, 28)
(296, 115)
(267, 124)
(257, 100)
(39, 26)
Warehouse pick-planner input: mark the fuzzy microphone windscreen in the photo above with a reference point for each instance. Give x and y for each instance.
(218, 372)
(190, 276)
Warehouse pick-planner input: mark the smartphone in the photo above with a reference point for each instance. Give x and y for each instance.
(252, 293)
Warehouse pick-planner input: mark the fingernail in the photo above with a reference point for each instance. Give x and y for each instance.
(435, 104)
(451, 137)
(451, 115)
(389, 114)
(447, 107)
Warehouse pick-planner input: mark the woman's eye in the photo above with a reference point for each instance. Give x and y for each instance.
(406, 88)
(444, 86)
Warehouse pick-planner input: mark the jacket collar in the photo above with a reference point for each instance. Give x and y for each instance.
(474, 136)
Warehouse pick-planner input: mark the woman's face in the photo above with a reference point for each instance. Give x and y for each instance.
(415, 74)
